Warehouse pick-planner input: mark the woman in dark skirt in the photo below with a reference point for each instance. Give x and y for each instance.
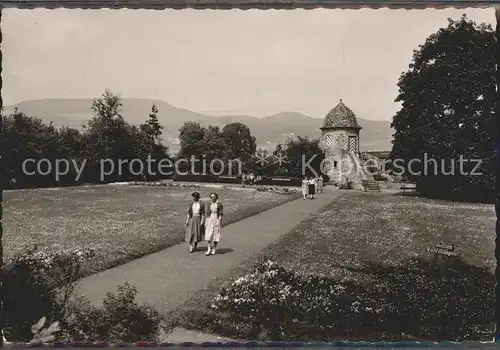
(195, 222)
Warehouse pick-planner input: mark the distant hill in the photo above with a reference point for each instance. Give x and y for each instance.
(269, 131)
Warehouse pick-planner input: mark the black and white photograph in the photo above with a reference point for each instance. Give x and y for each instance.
(191, 176)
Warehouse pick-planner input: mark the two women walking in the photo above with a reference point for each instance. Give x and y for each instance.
(312, 186)
(308, 187)
(204, 224)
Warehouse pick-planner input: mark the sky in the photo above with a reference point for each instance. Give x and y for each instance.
(217, 62)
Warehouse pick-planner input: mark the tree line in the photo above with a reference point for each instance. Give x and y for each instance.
(235, 142)
(107, 136)
(447, 97)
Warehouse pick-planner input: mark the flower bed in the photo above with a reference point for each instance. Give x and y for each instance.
(280, 190)
(284, 305)
(275, 303)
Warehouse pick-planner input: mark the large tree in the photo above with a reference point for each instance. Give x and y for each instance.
(149, 143)
(28, 137)
(303, 156)
(447, 98)
(239, 141)
(192, 139)
(109, 136)
(216, 150)
(231, 144)
(152, 127)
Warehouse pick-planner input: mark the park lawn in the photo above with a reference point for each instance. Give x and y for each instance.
(120, 223)
(386, 229)
(379, 240)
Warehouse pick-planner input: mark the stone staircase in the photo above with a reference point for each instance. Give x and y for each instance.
(359, 177)
(371, 185)
(368, 183)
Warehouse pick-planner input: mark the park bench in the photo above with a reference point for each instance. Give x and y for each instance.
(408, 187)
(445, 251)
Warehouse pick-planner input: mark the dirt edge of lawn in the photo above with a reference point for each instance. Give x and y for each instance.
(171, 241)
(194, 314)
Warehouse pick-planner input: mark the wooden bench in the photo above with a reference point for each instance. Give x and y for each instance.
(408, 187)
(446, 251)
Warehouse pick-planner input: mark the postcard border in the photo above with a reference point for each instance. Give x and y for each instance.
(263, 5)
(244, 4)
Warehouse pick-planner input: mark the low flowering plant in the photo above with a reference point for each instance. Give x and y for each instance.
(289, 305)
(164, 184)
(38, 284)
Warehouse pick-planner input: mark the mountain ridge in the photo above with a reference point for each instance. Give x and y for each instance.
(269, 130)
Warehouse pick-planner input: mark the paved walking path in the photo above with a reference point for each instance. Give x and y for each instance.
(168, 278)
(182, 335)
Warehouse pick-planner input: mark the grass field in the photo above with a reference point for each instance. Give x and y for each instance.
(120, 222)
(381, 240)
(387, 229)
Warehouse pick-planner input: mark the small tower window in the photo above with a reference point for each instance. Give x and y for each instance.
(334, 163)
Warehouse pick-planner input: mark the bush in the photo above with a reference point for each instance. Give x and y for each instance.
(39, 285)
(380, 177)
(291, 306)
(120, 319)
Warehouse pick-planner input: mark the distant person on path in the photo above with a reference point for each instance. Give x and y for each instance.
(213, 224)
(305, 188)
(319, 181)
(320, 184)
(195, 222)
(311, 188)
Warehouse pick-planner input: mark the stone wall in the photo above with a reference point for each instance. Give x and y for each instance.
(339, 163)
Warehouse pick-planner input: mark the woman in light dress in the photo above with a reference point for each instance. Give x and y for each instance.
(213, 224)
(319, 184)
(305, 188)
(195, 222)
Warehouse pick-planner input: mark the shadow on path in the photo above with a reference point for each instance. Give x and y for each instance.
(220, 251)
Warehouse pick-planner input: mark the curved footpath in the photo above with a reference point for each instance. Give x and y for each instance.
(168, 278)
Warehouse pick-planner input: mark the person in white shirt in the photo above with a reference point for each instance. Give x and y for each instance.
(305, 189)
